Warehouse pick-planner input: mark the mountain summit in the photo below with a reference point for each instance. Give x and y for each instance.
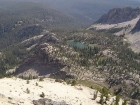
(118, 15)
(121, 22)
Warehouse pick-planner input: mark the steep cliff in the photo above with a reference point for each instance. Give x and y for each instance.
(137, 27)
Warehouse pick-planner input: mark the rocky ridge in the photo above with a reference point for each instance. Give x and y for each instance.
(121, 22)
(40, 64)
(118, 15)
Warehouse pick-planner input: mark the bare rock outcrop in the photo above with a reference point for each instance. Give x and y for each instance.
(41, 63)
(46, 101)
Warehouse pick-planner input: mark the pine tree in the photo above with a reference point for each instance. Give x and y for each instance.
(125, 102)
(101, 99)
(117, 100)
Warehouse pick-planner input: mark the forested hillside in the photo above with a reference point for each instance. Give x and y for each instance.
(20, 21)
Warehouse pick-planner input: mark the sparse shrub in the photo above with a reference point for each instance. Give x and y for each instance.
(104, 91)
(27, 91)
(73, 83)
(41, 86)
(107, 97)
(95, 95)
(68, 82)
(9, 98)
(91, 87)
(101, 99)
(42, 95)
(59, 80)
(9, 75)
(125, 102)
(41, 79)
(65, 79)
(117, 100)
(30, 77)
(34, 77)
(28, 81)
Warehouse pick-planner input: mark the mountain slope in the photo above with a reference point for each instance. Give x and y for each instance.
(121, 22)
(126, 29)
(20, 21)
(136, 28)
(17, 17)
(118, 15)
(105, 60)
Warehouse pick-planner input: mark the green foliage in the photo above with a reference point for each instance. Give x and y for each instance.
(29, 31)
(9, 75)
(117, 100)
(90, 84)
(86, 54)
(101, 101)
(125, 102)
(73, 83)
(10, 98)
(119, 60)
(41, 79)
(107, 97)
(101, 61)
(128, 57)
(91, 87)
(105, 91)
(11, 57)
